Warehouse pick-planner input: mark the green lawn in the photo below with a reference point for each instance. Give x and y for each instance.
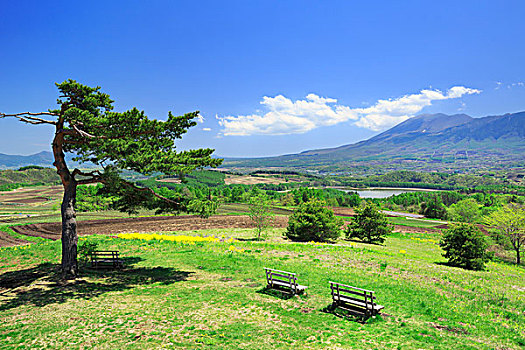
(209, 295)
(424, 223)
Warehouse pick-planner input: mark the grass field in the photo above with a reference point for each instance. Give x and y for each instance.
(423, 223)
(210, 295)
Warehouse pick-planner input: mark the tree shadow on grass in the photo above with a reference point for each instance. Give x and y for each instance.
(449, 264)
(255, 239)
(42, 285)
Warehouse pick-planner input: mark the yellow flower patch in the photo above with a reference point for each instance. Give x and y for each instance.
(172, 238)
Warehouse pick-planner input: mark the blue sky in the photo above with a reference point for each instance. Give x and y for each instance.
(269, 77)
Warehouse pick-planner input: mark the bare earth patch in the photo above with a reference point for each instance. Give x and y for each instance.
(143, 224)
(251, 180)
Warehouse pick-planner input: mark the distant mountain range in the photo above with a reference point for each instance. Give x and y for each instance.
(43, 158)
(428, 142)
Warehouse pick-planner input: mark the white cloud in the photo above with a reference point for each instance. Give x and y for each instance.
(285, 116)
(206, 129)
(200, 119)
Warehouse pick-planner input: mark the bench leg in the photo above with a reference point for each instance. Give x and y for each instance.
(333, 306)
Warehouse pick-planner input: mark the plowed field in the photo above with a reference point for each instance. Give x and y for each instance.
(142, 224)
(150, 224)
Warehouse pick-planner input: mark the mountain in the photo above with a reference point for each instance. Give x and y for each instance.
(43, 158)
(428, 142)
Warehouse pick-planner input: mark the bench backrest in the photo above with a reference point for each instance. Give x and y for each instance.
(343, 293)
(105, 254)
(281, 278)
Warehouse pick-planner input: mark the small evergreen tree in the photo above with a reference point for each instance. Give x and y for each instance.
(312, 221)
(465, 247)
(369, 225)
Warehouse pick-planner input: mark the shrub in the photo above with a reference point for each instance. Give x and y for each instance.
(369, 225)
(85, 249)
(311, 221)
(433, 208)
(465, 247)
(466, 210)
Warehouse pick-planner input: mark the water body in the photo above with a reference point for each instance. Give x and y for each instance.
(380, 192)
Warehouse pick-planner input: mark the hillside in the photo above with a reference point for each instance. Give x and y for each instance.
(43, 159)
(8, 161)
(46, 176)
(427, 142)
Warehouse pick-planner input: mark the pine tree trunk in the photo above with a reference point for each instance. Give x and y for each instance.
(518, 258)
(69, 231)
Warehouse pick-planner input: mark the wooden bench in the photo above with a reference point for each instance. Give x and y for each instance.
(283, 280)
(106, 259)
(357, 301)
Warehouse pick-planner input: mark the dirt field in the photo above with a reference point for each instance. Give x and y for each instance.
(251, 180)
(151, 224)
(31, 195)
(8, 241)
(148, 224)
(342, 211)
(169, 180)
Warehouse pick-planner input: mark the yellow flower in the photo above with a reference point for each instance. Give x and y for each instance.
(403, 251)
(172, 238)
(233, 249)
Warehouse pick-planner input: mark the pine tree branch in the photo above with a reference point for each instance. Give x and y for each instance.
(93, 180)
(30, 118)
(94, 177)
(81, 173)
(85, 134)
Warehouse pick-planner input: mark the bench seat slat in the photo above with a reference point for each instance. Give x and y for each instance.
(358, 303)
(281, 280)
(285, 284)
(349, 299)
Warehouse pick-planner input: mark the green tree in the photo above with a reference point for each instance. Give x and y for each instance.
(260, 213)
(236, 195)
(433, 208)
(86, 126)
(466, 210)
(369, 225)
(312, 221)
(509, 222)
(465, 246)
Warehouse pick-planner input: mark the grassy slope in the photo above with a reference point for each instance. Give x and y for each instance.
(198, 296)
(30, 176)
